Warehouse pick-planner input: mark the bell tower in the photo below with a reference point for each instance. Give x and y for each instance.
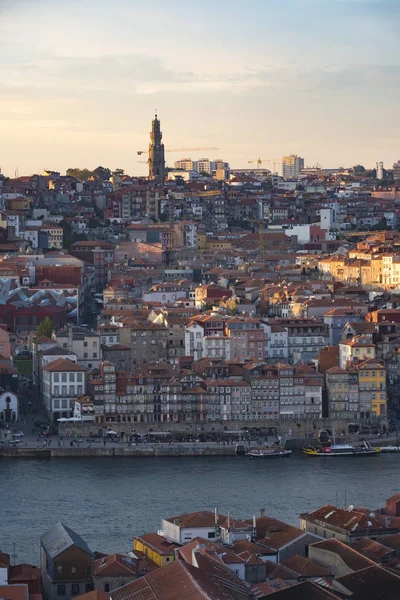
(156, 152)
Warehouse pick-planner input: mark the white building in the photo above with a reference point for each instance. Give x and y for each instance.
(84, 409)
(216, 346)
(184, 528)
(292, 166)
(13, 220)
(63, 382)
(187, 164)
(379, 170)
(328, 217)
(185, 175)
(194, 335)
(8, 407)
(277, 342)
(164, 292)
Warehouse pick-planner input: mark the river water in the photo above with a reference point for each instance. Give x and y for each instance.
(109, 501)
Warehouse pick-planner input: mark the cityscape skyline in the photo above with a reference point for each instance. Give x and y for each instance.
(248, 81)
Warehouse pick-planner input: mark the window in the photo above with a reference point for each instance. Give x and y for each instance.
(74, 569)
(59, 569)
(64, 377)
(79, 377)
(106, 587)
(75, 589)
(211, 534)
(85, 344)
(56, 377)
(61, 590)
(72, 377)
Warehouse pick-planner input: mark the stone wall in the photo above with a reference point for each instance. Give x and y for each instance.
(286, 429)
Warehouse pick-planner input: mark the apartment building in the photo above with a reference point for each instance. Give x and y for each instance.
(62, 384)
(83, 342)
(147, 341)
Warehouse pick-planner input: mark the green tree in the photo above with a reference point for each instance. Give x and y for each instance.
(81, 174)
(70, 236)
(102, 173)
(359, 170)
(93, 223)
(119, 172)
(381, 225)
(45, 328)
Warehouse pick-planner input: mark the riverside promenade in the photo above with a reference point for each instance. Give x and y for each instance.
(92, 449)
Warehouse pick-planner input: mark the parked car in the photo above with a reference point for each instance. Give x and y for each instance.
(18, 434)
(13, 442)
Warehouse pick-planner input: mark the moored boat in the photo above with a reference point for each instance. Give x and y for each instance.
(387, 449)
(364, 449)
(266, 452)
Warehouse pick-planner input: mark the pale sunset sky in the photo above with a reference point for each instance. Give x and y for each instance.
(80, 80)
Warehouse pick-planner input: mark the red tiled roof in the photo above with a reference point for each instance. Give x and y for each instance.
(203, 518)
(63, 364)
(158, 543)
(353, 559)
(305, 567)
(181, 581)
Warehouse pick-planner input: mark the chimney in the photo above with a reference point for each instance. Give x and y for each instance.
(388, 521)
(261, 512)
(216, 516)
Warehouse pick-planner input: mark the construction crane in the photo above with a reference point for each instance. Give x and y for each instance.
(140, 152)
(260, 161)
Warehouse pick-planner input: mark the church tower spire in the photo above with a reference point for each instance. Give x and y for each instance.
(156, 151)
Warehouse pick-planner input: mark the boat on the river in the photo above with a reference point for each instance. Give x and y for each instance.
(387, 449)
(363, 449)
(268, 452)
(327, 447)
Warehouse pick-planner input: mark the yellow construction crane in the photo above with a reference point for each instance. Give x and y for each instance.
(260, 161)
(140, 152)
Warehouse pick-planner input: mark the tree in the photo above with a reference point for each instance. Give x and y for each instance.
(70, 236)
(94, 223)
(102, 173)
(118, 173)
(358, 170)
(381, 225)
(45, 328)
(81, 174)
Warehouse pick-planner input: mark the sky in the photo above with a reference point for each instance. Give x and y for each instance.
(81, 79)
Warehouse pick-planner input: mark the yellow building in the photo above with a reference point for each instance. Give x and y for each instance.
(156, 548)
(372, 388)
(207, 243)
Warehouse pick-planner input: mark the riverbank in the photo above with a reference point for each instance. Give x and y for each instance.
(154, 450)
(147, 451)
